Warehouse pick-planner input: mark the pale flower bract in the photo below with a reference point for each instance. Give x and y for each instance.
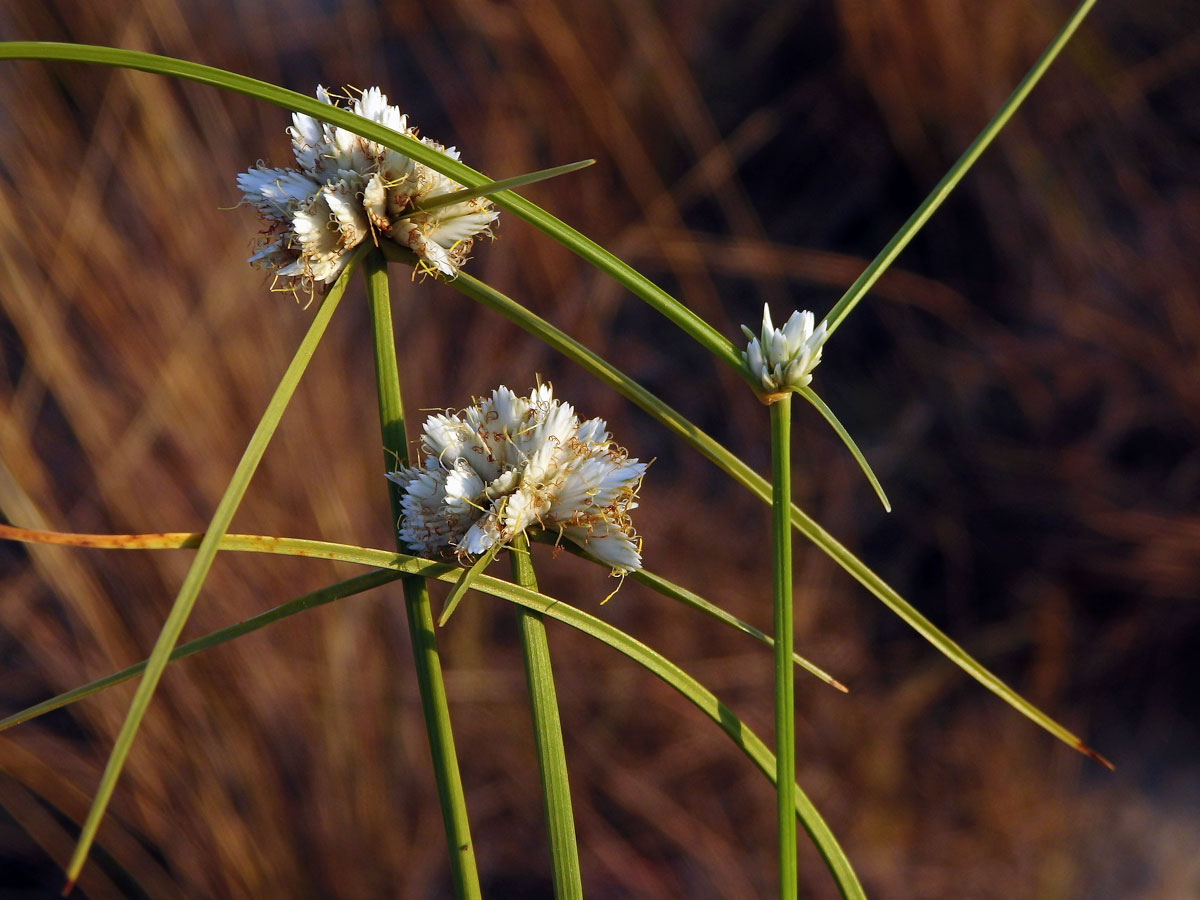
(508, 464)
(348, 189)
(784, 358)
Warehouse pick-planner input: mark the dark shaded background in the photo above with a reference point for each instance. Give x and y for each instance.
(1025, 383)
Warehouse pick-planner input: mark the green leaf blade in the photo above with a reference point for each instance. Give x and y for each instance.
(811, 396)
(464, 582)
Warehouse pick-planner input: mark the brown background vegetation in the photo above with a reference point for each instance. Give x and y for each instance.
(1025, 383)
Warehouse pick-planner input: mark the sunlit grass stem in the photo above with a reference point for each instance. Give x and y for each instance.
(785, 677)
(430, 683)
(547, 733)
(198, 571)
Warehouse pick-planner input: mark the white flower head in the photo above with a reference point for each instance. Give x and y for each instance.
(784, 358)
(347, 189)
(508, 464)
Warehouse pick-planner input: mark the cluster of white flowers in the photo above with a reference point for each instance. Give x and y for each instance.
(510, 463)
(347, 188)
(784, 358)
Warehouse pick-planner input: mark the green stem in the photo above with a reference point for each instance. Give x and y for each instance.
(840, 430)
(495, 187)
(194, 580)
(688, 598)
(785, 680)
(432, 687)
(547, 733)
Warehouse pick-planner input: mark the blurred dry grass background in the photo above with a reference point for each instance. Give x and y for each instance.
(1025, 384)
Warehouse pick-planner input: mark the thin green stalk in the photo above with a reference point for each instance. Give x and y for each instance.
(198, 571)
(505, 184)
(547, 732)
(950, 180)
(430, 683)
(464, 583)
(785, 677)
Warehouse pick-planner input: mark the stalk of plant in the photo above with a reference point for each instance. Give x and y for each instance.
(785, 681)
(194, 580)
(416, 598)
(780, 361)
(547, 732)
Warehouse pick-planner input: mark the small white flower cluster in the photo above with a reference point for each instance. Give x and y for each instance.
(510, 463)
(784, 358)
(347, 188)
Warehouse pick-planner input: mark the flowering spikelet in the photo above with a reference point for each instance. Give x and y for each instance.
(507, 464)
(347, 188)
(783, 358)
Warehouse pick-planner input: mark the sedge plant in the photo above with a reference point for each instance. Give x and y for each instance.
(365, 190)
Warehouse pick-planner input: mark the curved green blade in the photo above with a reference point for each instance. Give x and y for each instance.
(464, 582)
(811, 396)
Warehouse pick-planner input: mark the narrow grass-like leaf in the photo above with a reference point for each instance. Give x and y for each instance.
(785, 673)
(732, 465)
(547, 733)
(950, 180)
(434, 705)
(356, 585)
(464, 582)
(352, 554)
(692, 690)
(495, 187)
(198, 571)
(811, 396)
(669, 589)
